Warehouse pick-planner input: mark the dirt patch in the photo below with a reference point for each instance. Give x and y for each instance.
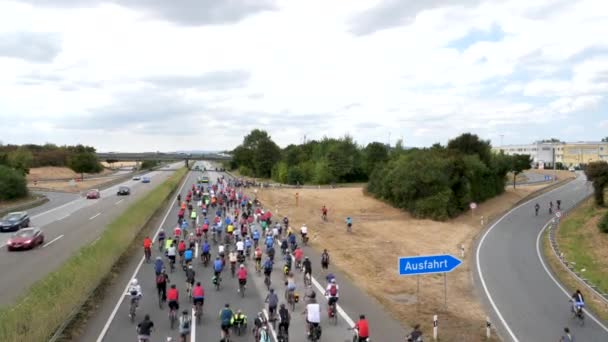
(380, 233)
(70, 186)
(53, 172)
(120, 164)
(561, 174)
(17, 202)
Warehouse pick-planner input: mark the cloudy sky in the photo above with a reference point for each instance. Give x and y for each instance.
(133, 75)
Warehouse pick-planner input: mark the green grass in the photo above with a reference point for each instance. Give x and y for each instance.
(36, 315)
(576, 236)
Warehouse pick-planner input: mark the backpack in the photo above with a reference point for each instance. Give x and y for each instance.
(160, 279)
(186, 324)
(333, 290)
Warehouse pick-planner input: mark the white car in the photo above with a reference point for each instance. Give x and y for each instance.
(136, 178)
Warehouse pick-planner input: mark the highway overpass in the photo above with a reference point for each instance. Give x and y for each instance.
(140, 156)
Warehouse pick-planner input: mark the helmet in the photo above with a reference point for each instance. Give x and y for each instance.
(305, 258)
(242, 266)
(333, 280)
(134, 282)
(159, 258)
(191, 234)
(190, 267)
(271, 290)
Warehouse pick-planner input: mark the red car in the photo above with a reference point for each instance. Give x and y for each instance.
(26, 238)
(93, 194)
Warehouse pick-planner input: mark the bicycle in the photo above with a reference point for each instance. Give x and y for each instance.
(161, 243)
(172, 318)
(232, 268)
(258, 266)
(315, 333)
(160, 299)
(241, 289)
(356, 335)
(267, 281)
(239, 328)
(172, 265)
(133, 308)
(148, 254)
(218, 281)
(198, 312)
(305, 240)
(282, 334)
(291, 299)
(307, 279)
(206, 258)
(578, 313)
(332, 313)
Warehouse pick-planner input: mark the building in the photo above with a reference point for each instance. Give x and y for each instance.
(569, 154)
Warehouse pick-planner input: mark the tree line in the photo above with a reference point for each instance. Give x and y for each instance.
(16, 161)
(437, 182)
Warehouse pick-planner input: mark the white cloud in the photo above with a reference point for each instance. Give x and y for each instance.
(298, 69)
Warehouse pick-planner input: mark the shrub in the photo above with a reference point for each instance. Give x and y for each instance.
(603, 224)
(12, 183)
(245, 171)
(148, 164)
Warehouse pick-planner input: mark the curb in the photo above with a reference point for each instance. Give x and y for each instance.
(28, 205)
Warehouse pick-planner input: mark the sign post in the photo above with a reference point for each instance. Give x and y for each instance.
(473, 206)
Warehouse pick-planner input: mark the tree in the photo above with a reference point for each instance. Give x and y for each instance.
(21, 160)
(468, 143)
(605, 139)
(149, 164)
(12, 183)
(597, 172)
(85, 161)
(375, 153)
(265, 155)
(519, 163)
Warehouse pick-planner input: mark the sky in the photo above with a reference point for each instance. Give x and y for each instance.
(158, 75)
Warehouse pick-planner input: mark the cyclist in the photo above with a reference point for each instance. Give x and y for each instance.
(248, 243)
(333, 294)
(349, 224)
(284, 246)
(304, 233)
(269, 241)
(285, 318)
(256, 237)
(173, 298)
(177, 233)
(161, 285)
(239, 319)
(205, 251)
(190, 274)
(240, 246)
(181, 248)
(324, 213)
(307, 268)
(559, 204)
(325, 260)
(286, 222)
(577, 300)
(291, 237)
(287, 266)
(220, 251)
(184, 227)
(198, 294)
(135, 292)
(147, 248)
(270, 252)
(171, 253)
(232, 259)
(168, 244)
(184, 325)
(415, 335)
(225, 318)
(268, 267)
(144, 329)
(188, 255)
(313, 314)
(158, 265)
(362, 328)
(264, 337)
(273, 301)
(218, 266)
(536, 208)
(160, 239)
(259, 322)
(179, 198)
(242, 276)
(193, 215)
(257, 254)
(567, 336)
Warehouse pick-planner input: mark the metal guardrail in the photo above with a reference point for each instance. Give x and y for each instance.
(570, 266)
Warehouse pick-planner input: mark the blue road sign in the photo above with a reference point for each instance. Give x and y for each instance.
(427, 264)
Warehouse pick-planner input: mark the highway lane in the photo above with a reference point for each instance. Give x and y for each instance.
(527, 303)
(353, 301)
(67, 228)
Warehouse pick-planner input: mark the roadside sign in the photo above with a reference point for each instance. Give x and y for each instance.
(427, 264)
(473, 205)
(558, 214)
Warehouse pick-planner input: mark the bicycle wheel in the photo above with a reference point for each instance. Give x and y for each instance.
(132, 312)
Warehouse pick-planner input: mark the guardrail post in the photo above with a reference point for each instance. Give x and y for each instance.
(435, 324)
(488, 328)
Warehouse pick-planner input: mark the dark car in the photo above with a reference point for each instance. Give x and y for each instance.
(145, 180)
(27, 238)
(123, 191)
(93, 194)
(14, 221)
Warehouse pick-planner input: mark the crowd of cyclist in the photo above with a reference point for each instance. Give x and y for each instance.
(235, 228)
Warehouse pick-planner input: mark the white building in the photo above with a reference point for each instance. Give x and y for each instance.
(544, 154)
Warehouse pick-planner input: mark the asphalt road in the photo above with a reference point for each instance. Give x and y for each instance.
(67, 225)
(526, 302)
(112, 324)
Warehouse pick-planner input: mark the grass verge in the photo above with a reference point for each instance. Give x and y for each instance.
(36, 315)
(582, 243)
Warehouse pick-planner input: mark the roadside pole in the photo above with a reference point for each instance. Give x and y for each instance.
(488, 328)
(435, 324)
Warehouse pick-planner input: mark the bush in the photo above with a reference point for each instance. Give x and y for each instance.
(148, 164)
(245, 171)
(51, 299)
(295, 175)
(603, 224)
(12, 184)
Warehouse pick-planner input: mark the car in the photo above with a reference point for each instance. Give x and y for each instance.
(136, 178)
(571, 169)
(14, 221)
(205, 180)
(123, 190)
(26, 238)
(93, 194)
(145, 180)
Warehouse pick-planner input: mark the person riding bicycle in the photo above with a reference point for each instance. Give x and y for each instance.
(291, 238)
(273, 301)
(536, 208)
(325, 260)
(188, 255)
(144, 329)
(232, 259)
(134, 291)
(184, 325)
(268, 267)
(147, 245)
(257, 254)
(259, 322)
(206, 250)
(225, 319)
(190, 274)
(313, 314)
(171, 253)
(349, 223)
(218, 266)
(159, 265)
(284, 245)
(559, 204)
(362, 327)
(304, 232)
(240, 246)
(239, 319)
(179, 198)
(256, 237)
(332, 292)
(173, 298)
(298, 254)
(286, 222)
(567, 336)
(270, 252)
(324, 212)
(285, 318)
(160, 239)
(248, 244)
(198, 294)
(577, 300)
(269, 241)
(177, 233)
(181, 248)
(307, 267)
(415, 335)
(161, 284)
(242, 276)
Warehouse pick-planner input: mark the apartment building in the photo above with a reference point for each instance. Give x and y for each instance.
(544, 154)
(577, 153)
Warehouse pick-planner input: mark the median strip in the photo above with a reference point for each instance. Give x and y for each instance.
(54, 299)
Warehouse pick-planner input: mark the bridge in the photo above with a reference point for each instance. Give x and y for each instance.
(140, 156)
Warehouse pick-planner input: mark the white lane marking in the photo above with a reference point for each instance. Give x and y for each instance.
(94, 216)
(50, 242)
(589, 314)
(56, 208)
(119, 201)
(104, 331)
(63, 217)
(272, 332)
(193, 325)
(2, 245)
(477, 260)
